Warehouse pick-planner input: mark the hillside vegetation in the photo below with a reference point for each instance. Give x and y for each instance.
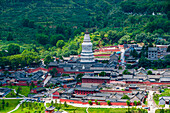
(43, 28)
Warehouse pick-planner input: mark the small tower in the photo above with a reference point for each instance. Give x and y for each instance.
(87, 53)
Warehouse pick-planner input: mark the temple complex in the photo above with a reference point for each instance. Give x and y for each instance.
(86, 63)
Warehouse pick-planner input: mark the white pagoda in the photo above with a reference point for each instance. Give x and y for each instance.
(87, 53)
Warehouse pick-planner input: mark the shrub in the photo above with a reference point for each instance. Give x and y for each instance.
(90, 102)
(125, 97)
(98, 103)
(108, 102)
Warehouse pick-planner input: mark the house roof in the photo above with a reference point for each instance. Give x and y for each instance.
(164, 79)
(127, 76)
(133, 80)
(50, 108)
(94, 98)
(102, 94)
(165, 98)
(152, 48)
(95, 77)
(86, 89)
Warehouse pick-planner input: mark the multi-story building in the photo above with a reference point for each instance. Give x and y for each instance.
(153, 53)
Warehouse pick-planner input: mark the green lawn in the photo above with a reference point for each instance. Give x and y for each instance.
(115, 110)
(165, 93)
(71, 109)
(25, 90)
(12, 94)
(29, 107)
(12, 104)
(162, 111)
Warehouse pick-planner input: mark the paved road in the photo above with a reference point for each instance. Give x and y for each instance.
(87, 109)
(15, 98)
(18, 94)
(151, 103)
(17, 106)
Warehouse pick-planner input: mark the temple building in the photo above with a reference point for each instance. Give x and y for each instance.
(86, 63)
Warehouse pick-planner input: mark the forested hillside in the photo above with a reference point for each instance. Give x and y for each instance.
(43, 28)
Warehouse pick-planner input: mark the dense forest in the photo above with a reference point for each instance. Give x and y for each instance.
(34, 29)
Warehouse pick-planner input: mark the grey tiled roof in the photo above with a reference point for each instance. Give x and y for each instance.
(164, 79)
(102, 94)
(133, 79)
(152, 49)
(86, 89)
(127, 76)
(95, 77)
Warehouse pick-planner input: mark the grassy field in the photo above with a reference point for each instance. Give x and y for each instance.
(165, 93)
(162, 111)
(115, 110)
(11, 94)
(69, 108)
(25, 90)
(12, 104)
(72, 109)
(29, 107)
(107, 110)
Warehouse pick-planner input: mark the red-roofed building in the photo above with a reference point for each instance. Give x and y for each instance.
(121, 46)
(37, 69)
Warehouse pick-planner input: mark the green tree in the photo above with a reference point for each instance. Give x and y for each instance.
(139, 102)
(18, 90)
(25, 22)
(112, 36)
(168, 49)
(125, 97)
(42, 39)
(60, 43)
(10, 37)
(32, 85)
(96, 101)
(108, 102)
(13, 49)
(52, 103)
(53, 72)
(135, 103)
(48, 59)
(126, 72)
(134, 53)
(128, 6)
(3, 103)
(90, 102)
(128, 104)
(65, 75)
(79, 77)
(55, 38)
(102, 33)
(65, 104)
(125, 39)
(102, 73)
(7, 104)
(149, 72)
